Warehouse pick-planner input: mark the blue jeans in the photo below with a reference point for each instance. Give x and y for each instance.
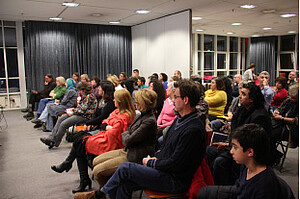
(216, 125)
(42, 104)
(130, 177)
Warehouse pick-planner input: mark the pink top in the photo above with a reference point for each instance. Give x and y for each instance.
(167, 115)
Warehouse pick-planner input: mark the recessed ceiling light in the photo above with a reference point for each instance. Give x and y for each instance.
(248, 6)
(70, 4)
(269, 11)
(292, 32)
(288, 15)
(142, 11)
(114, 22)
(230, 33)
(197, 18)
(199, 30)
(255, 35)
(267, 28)
(96, 14)
(236, 24)
(55, 18)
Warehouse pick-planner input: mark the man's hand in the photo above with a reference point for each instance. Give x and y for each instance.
(265, 83)
(276, 112)
(146, 159)
(34, 92)
(86, 128)
(230, 115)
(159, 127)
(46, 83)
(56, 101)
(220, 145)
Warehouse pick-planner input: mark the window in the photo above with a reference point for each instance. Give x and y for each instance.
(208, 61)
(221, 59)
(233, 61)
(222, 43)
(286, 61)
(208, 43)
(287, 43)
(233, 44)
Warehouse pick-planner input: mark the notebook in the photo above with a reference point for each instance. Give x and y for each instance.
(218, 137)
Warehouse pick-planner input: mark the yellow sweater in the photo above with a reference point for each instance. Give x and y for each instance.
(217, 101)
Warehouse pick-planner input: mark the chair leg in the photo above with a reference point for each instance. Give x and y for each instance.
(284, 149)
(141, 194)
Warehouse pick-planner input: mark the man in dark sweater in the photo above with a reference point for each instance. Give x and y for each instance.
(36, 96)
(174, 164)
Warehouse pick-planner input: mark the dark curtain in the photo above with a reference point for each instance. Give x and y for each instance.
(64, 48)
(263, 55)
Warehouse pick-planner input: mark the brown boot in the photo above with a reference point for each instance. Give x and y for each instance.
(85, 195)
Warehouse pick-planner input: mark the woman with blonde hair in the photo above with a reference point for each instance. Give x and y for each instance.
(87, 147)
(116, 82)
(138, 139)
(84, 78)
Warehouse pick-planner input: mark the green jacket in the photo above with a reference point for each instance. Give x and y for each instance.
(59, 92)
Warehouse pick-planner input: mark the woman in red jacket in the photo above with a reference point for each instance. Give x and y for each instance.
(281, 93)
(87, 147)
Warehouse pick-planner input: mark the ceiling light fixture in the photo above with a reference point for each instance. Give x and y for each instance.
(96, 14)
(199, 30)
(230, 33)
(236, 24)
(114, 22)
(267, 28)
(197, 18)
(288, 15)
(255, 35)
(142, 11)
(292, 32)
(70, 4)
(248, 6)
(55, 18)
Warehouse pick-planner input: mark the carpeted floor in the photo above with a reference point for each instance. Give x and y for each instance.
(25, 164)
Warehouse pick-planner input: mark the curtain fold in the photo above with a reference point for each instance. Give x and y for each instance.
(263, 55)
(64, 48)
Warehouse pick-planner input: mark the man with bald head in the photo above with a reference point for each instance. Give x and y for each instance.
(235, 90)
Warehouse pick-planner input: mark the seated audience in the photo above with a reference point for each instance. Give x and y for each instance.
(56, 94)
(36, 96)
(95, 82)
(116, 82)
(252, 110)
(158, 87)
(281, 93)
(164, 78)
(177, 73)
(138, 139)
(87, 147)
(228, 89)
(237, 79)
(52, 111)
(136, 73)
(286, 118)
(216, 99)
(82, 113)
(266, 90)
(173, 166)
(250, 148)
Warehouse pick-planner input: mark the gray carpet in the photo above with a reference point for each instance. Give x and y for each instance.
(25, 164)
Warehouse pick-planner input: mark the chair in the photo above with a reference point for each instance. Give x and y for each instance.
(284, 145)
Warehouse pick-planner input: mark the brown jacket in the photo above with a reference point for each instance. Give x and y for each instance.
(139, 138)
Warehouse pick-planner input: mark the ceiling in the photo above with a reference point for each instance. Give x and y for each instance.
(218, 15)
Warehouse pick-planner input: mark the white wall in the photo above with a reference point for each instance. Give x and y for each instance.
(162, 45)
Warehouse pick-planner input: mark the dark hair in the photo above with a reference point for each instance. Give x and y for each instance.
(254, 136)
(86, 87)
(50, 76)
(136, 70)
(228, 90)
(190, 89)
(155, 75)
(142, 79)
(251, 66)
(219, 83)
(198, 81)
(108, 89)
(255, 94)
(129, 85)
(160, 90)
(76, 73)
(97, 80)
(281, 80)
(164, 76)
(124, 74)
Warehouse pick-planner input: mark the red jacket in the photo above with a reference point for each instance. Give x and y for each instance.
(109, 140)
(279, 97)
